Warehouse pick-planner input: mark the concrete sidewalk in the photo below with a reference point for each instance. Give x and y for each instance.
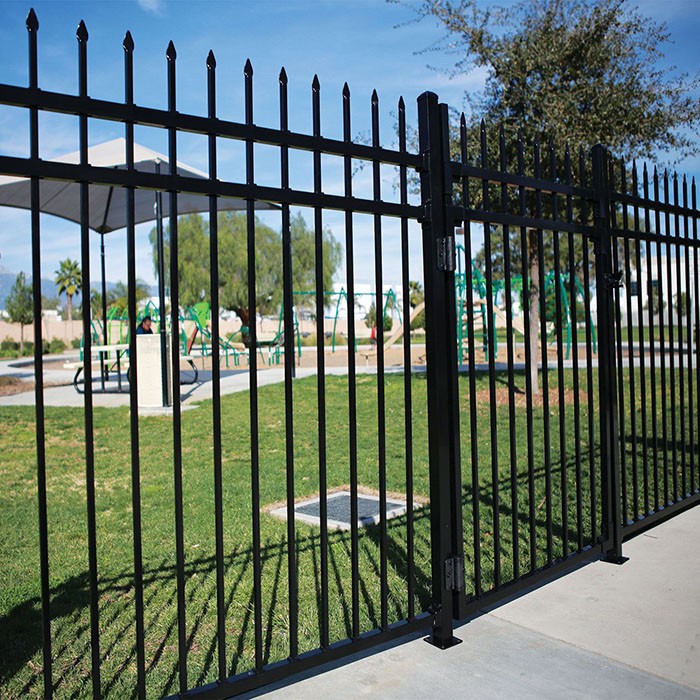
(603, 631)
(232, 380)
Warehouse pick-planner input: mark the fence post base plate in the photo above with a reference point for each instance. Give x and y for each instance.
(442, 643)
(613, 558)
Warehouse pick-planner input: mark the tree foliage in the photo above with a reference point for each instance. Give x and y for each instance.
(69, 281)
(575, 72)
(562, 72)
(19, 305)
(371, 318)
(416, 297)
(118, 296)
(193, 261)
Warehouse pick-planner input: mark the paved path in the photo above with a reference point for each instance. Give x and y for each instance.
(232, 380)
(603, 631)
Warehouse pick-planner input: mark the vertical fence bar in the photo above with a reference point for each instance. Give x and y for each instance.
(560, 311)
(620, 435)
(662, 343)
(452, 397)
(529, 359)
(696, 333)
(407, 369)
(690, 300)
(32, 24)
(507, 272)
(175, 379)
(381, 390)
(589, 354)
(627, 264)
(253, 375)
(679, 304)
(438, 261)
(641, 341)
(133, 383)
(651, 305)
(321, 366)
(471, 349)
(540, 238)
(289, 363)
(82, 35)
(216, 373)
(605, 282)
(162, 315)
(671, 338)
(352, 374)
(491, 345)
(573, 291)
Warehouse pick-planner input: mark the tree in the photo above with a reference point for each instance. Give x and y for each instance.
(118, 296)
(50, 303)
(95, 303)
(193, 261)
(570, 72)
(69, 281)
(416, 297)
(19, 306)
(371, 318)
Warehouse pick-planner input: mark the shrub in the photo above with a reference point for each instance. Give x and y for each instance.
(56, 346)
(9, 345)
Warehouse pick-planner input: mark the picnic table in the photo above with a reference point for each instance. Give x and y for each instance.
(114, 358)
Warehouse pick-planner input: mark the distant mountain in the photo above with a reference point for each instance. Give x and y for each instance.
(7, 281)
(48, 287)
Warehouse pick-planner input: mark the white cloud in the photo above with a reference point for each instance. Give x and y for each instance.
(154, 6)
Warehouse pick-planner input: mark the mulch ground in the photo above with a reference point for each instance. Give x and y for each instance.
(14, 385)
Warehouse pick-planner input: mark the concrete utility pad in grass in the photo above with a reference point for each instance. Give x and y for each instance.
(338, 510)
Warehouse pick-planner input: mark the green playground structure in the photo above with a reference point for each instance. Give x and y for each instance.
(471, 292)
(391, 302)
(474, 293)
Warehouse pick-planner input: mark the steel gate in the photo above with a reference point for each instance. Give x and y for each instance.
(574, 403)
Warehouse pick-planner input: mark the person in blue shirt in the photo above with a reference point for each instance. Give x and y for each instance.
(145, 327)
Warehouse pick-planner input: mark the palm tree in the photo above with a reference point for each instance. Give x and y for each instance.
(119, 296)
(69, 281)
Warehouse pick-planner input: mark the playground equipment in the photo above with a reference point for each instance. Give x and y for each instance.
(391, 304)
(476, 296)
(398, 333)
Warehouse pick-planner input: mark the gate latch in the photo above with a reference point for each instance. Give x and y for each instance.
(454, 574)
(613, 280)
(446, 258)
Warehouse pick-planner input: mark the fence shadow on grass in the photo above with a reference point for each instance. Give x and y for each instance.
(22, 638)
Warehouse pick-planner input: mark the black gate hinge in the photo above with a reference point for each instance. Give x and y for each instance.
(454, 574)
(446, 258)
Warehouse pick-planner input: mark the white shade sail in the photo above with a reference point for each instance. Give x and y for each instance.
(107, 205)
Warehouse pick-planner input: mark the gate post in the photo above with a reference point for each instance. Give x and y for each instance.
(606, 282)
(441, 355)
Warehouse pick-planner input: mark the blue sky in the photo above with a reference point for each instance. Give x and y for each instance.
(357, 41)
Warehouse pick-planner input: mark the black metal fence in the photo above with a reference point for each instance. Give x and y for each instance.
(589, 394)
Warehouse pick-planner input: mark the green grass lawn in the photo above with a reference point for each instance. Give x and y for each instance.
(20, 610)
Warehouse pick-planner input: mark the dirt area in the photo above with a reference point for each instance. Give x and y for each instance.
(14, 385)
(366, 356)
(483, 397)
